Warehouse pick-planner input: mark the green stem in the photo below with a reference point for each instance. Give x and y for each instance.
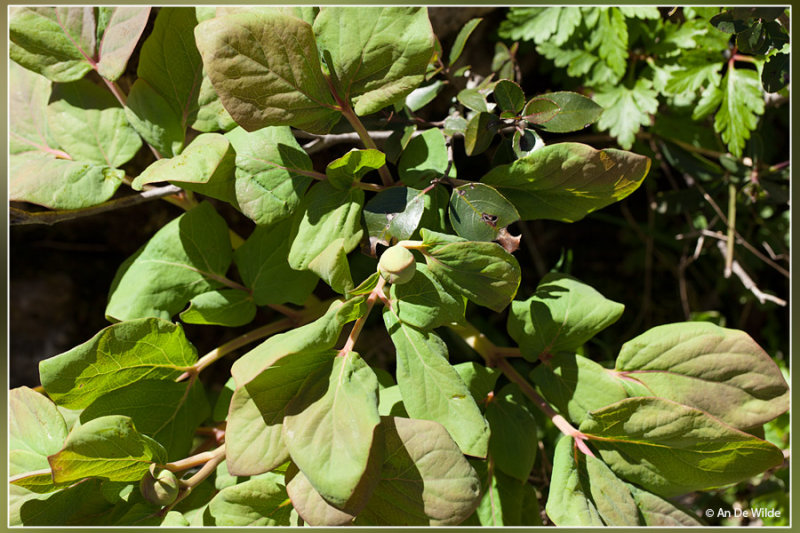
(376, 293)
(194, 460)
(731, 229)
(368, 142)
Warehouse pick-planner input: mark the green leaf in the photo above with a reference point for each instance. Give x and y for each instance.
(205, 166)
(524, 144)
(656, 511)
(627, 110)
(255, 443)
(265, 68)
(514, 440)
(480, 132)
(308, 503)
(575, 385)
(478, 212)
(461, 39)
(503, 501)
(563, 314)
(775, 75)
(87, 123)
(432, 389)
(566, 181)
(740, 107)
(718, 370)
(211, 114)
(183, 259)
(60, 183)
(422, 96)
(329, 429)
(585, 492)
(27, 108)
(379, 53)
(482, 271)
(572, 111)
(478, 378)
(317, 336)
(473, 99)
(55, 42)
(170, 66)
(352, 166)
(425, 480)
(424, 159)
(328, 221)
(670, 449)
(424, 304)
(509, 96)
(264, 267)
(227, 307)
(394, 213)
(697, 70)
(79, 505)
(161, 409)
(119, 39)
(257, 502)
(549, 24)
(117, 356)
(271, 173)
(109, 447)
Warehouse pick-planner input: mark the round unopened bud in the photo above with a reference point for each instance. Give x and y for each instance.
(159, 488)
(397, 265)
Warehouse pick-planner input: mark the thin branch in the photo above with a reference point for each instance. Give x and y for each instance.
(747, 281)
(20, 216)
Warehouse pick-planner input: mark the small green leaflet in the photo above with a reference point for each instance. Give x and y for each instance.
(185, 258)
(108, 447)
(147, 348)
(563, 314)
(626, 110)
(670, 449)
(478, 212)
(509, 96)
(352, 166)
(740, 107)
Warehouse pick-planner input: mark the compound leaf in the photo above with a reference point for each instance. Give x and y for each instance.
(627, 110)
(741, 104)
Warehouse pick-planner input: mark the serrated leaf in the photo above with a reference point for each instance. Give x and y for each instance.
(424, 159)
(379, 53)
(562, 314)
(575, 385)
(262, 262)
(610, 39)
(461, 39)
(670, 449)
(697, 70)
(626, 110)
(566, 181)
(257, 502)
(169, 66)
(721, 371)
(55, 42)
(265, 68)
(60, 183)
(353, 166)
(117, 356)
(425, 480)
(482, 271)
(183, 259)
(432, 389)
(424, 303)
(514, 441)
(255, 442)
(109, 447)
(226, 307)
(740, 107)
(393, 213)
(572, 111)
(205, 166)
(119, 38)
(549, 24)
(478, 212)
(161, 409)
(29, 94)
(329, 430)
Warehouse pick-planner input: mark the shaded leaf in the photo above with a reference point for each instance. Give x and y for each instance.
(394, 213)
(478, 212)
(480, 132)
(478, 378)
(257, 502)
(117, 356)
(314, 510)
(514, 441)
(424, 159)
(509, 96)
(461, 39)
(352, 166)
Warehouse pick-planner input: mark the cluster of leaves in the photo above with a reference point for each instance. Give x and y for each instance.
(306, 430)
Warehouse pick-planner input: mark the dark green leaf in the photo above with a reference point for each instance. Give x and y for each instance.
(478, 212)
(509, 96)
(775, 75)
(574, 111)
(514, 441)
(148, 348)
(393, 213)
(461, 39)
(183, 259)
(480, 132)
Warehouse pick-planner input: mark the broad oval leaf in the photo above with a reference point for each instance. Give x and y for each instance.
(257, 502)
(29, 94)
(480, 132)
(514, 437)
(656, 511)
(379, 53)
(461, 39)
(721, 371)
(670, 449)
(432, 389)
(509, 96)
(562, 112)
(424, 159)
(393, 213)
(478, 212)
(34, 423)
(185, 258)
(119, 39)
(424, 303)
(473, 99)
(566, 181)
(482, 271)
(329, 429)
(561, 315)
(108, 447)
(425, 480)
(312, 507)
(147, 348)
(265, 68)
